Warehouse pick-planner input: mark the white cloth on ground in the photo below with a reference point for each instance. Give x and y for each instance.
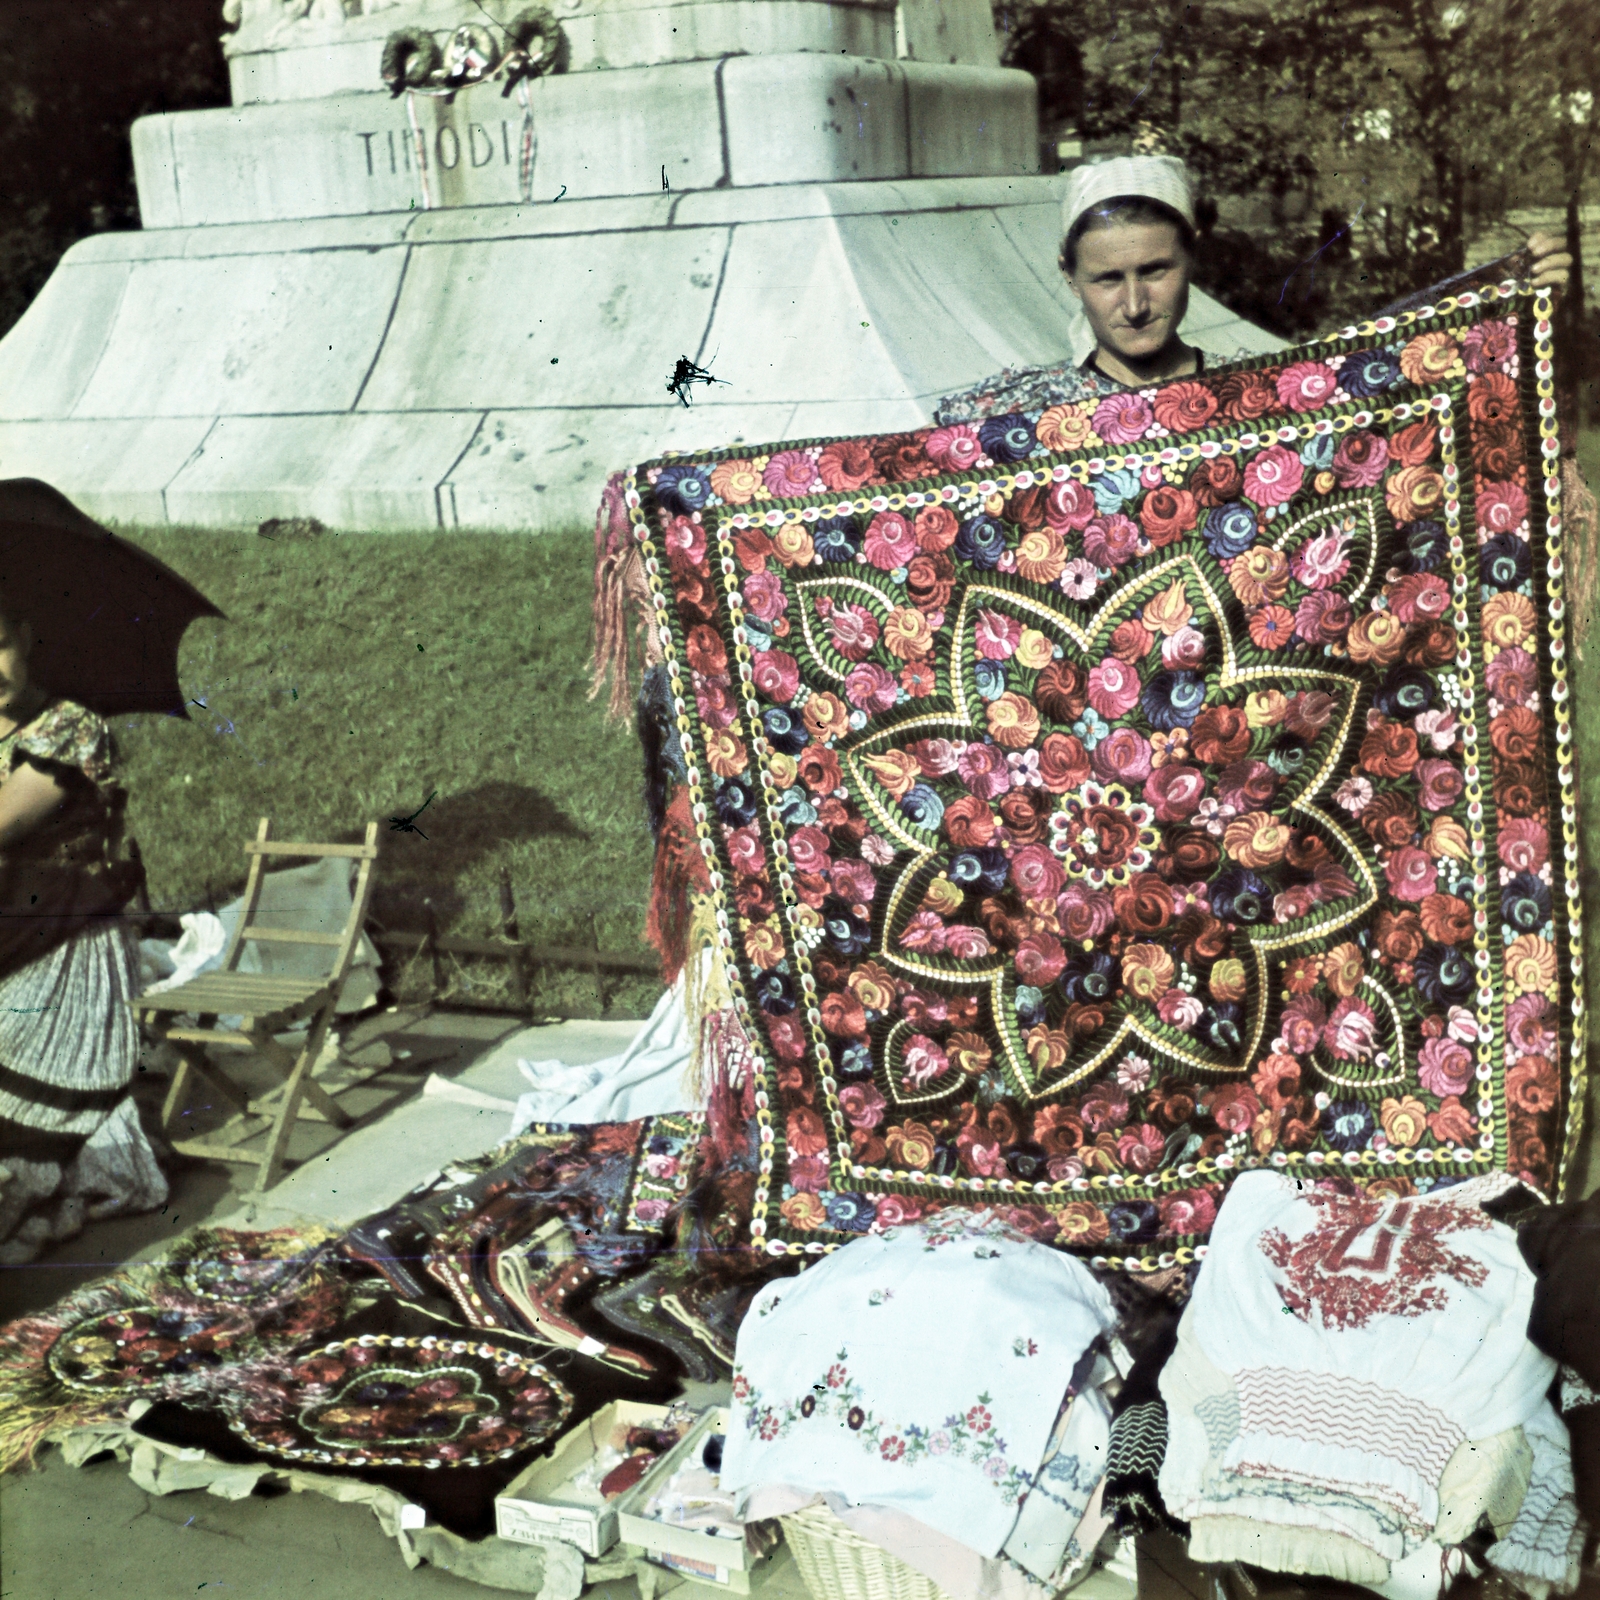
(920, 1370)
(1366, 1336)
(1543, 1550)
(646, 1080)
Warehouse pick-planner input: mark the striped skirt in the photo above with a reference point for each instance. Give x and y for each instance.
(70, 1140)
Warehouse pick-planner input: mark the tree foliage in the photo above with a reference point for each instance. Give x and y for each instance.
(75, 78)
(1352, 152)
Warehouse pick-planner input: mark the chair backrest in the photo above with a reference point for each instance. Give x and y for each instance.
(263, 847)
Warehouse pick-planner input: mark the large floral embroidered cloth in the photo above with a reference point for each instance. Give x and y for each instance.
(1101, 802)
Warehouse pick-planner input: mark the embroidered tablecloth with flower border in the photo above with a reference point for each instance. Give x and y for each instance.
(1100, 802)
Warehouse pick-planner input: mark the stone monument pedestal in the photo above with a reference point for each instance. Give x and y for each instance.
(334, 313)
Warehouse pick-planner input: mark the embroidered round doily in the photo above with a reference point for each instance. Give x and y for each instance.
(246, 1269)
(380, 1401)
(145, 1346)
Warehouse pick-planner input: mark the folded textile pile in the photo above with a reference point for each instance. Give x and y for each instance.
(1352, 1393)
(943, 1388)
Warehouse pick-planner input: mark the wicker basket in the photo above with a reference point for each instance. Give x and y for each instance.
(840, 1565)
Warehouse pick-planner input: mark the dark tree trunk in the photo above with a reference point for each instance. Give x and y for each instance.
(1574, 290)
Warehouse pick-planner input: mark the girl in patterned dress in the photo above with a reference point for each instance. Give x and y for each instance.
(71, 1145)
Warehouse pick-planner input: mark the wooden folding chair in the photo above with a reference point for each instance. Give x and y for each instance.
(267, 1004)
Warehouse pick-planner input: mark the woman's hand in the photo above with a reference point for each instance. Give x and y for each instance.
(28, 798)
(1552, 266)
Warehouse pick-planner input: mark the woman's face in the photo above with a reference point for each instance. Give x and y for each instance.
(16, 642)
(1133, 280)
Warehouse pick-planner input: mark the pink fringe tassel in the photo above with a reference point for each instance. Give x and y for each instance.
(618, 578)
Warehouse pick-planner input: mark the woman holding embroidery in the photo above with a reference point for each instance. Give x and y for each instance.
(1127, 252)
(71, 1145)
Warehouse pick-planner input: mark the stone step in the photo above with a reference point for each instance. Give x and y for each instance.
(488, 367)
(743, 121)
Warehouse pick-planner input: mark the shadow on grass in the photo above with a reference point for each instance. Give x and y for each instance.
(456, 833)
(453, 835)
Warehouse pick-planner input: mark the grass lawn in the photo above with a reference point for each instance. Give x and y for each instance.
(356, 676)
(1589, 454)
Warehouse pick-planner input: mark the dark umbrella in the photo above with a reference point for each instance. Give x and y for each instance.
(107, 618)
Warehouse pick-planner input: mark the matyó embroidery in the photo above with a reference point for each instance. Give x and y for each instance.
(1368, 1257)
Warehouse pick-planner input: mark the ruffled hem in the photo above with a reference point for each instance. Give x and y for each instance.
(1543, 1551)
(44, 1202)
(1284, 1549)
(1370, 1475)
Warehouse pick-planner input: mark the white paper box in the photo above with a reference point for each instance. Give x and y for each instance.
(525, 1511)
(699, 1557)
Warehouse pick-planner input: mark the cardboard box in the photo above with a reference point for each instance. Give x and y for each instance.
(531, 1510)
(699, 1557)
(775, 1575)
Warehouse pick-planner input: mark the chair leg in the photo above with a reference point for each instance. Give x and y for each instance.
(177, 1092)
(192, 1062)
(294, 1090)
(330, 1108)
(284, 1060)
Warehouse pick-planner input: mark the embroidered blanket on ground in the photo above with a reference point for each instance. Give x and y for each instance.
(1099, 802)
(459, 1329)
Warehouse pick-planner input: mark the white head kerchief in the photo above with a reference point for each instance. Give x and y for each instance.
(1163, 178)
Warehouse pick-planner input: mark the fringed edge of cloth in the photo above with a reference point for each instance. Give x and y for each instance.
(618, 577)
(36, 1406)
(34, 1403)
(730, 1087)
(678, 873)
